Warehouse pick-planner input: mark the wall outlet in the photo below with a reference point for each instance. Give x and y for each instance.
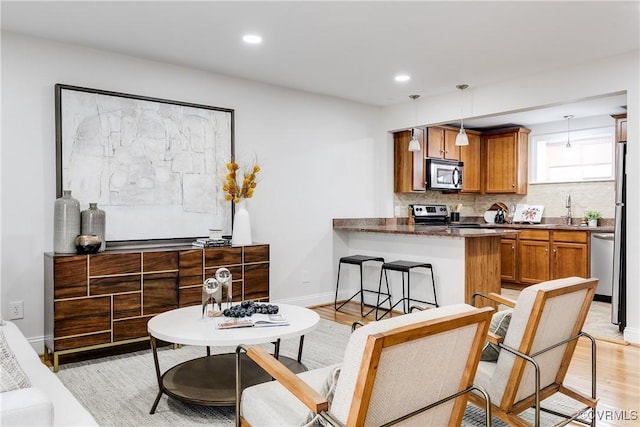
(16, 310)
(305, 276)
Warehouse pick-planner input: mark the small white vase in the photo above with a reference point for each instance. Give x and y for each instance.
(593, 223)
(241, 225)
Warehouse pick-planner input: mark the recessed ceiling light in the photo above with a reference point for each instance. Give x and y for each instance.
(252, 39)
(402, 78)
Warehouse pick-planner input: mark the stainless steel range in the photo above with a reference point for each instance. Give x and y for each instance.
(430, 214)
(433, 214)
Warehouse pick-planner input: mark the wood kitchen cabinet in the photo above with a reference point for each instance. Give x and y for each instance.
(570, 254)
(533, 256)
(106, 299)
(542, 255)
(470, 156)
(408, 166)
(505, 157)
(441, 143)
(508, 259)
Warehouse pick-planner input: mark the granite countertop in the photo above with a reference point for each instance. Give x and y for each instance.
(545, 226)
(400, 226)
(393, 226)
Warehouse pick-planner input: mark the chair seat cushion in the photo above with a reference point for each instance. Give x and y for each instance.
(270, 404)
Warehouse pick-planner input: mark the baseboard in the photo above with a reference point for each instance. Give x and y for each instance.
(311, 300)
(38, 344)
(632, 335)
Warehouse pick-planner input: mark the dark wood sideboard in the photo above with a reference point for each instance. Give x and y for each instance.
(106, 299)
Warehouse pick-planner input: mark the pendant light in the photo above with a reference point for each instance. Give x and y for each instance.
(567, 118)
(414, 144)
(462, 138)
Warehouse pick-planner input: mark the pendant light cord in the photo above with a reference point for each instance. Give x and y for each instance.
(568, 117)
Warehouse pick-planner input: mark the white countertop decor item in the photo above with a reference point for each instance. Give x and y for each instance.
(528, 213)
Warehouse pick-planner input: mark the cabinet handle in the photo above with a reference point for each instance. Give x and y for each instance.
(513, 186)
(546, 250)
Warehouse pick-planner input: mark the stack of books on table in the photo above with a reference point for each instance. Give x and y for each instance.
(256, 320)
(211, 243)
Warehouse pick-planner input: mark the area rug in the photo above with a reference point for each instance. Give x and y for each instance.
(120, 390)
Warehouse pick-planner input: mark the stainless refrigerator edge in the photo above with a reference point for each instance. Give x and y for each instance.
(619, 280)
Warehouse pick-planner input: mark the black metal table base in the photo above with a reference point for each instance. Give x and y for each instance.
(210, 380)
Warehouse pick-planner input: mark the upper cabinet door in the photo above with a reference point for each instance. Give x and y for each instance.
(408, 166)
(505, 160)
(501, 164)
(435, 142)
(441, 143)
(470, 156)
(451, 150)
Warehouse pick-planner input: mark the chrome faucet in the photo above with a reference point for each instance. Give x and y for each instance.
(568, 206)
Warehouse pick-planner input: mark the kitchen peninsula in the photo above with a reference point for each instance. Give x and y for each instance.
(465, 260)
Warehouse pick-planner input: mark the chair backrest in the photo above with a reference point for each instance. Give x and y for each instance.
(399, 365)
(545, 314)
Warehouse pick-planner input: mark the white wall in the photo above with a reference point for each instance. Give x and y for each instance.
(620, 73)
(322, 157)
(319, 156)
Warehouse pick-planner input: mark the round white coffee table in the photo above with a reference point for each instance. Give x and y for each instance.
(210, 380)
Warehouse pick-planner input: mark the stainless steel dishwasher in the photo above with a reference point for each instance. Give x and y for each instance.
(602, 264)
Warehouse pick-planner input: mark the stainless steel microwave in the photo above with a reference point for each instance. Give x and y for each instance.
(443, 174)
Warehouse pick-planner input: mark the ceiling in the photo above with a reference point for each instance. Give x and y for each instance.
(351, 50)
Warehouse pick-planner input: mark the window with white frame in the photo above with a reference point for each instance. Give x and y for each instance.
(590, 156)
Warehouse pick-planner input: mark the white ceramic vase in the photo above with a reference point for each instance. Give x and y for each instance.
(241, 234)
(593, 223)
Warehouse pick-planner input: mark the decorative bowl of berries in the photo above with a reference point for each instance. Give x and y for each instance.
(249, 308)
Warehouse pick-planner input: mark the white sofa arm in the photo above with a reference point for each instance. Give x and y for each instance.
(25, 407)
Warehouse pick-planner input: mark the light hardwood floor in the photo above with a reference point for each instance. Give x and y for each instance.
(617, 371)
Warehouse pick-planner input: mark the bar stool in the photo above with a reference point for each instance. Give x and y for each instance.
(405, 267)
(359, 260)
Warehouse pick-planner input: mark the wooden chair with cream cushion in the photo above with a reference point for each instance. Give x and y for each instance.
(416, 368)
(546, 323)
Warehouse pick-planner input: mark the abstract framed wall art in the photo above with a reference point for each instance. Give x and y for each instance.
(153, 165)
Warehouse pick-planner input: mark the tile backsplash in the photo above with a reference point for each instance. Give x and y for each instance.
(584, 196)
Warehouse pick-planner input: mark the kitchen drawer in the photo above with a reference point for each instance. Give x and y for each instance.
(191, 267)
(235, 270)
(159, 261)
(256, 253)
(114, 285)
(222, 257)
(127, 305)
(82, 316)
(130, 329)
(112, 264)
(70, 277)
(82, 341)
(570, 236)
(534, 234)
